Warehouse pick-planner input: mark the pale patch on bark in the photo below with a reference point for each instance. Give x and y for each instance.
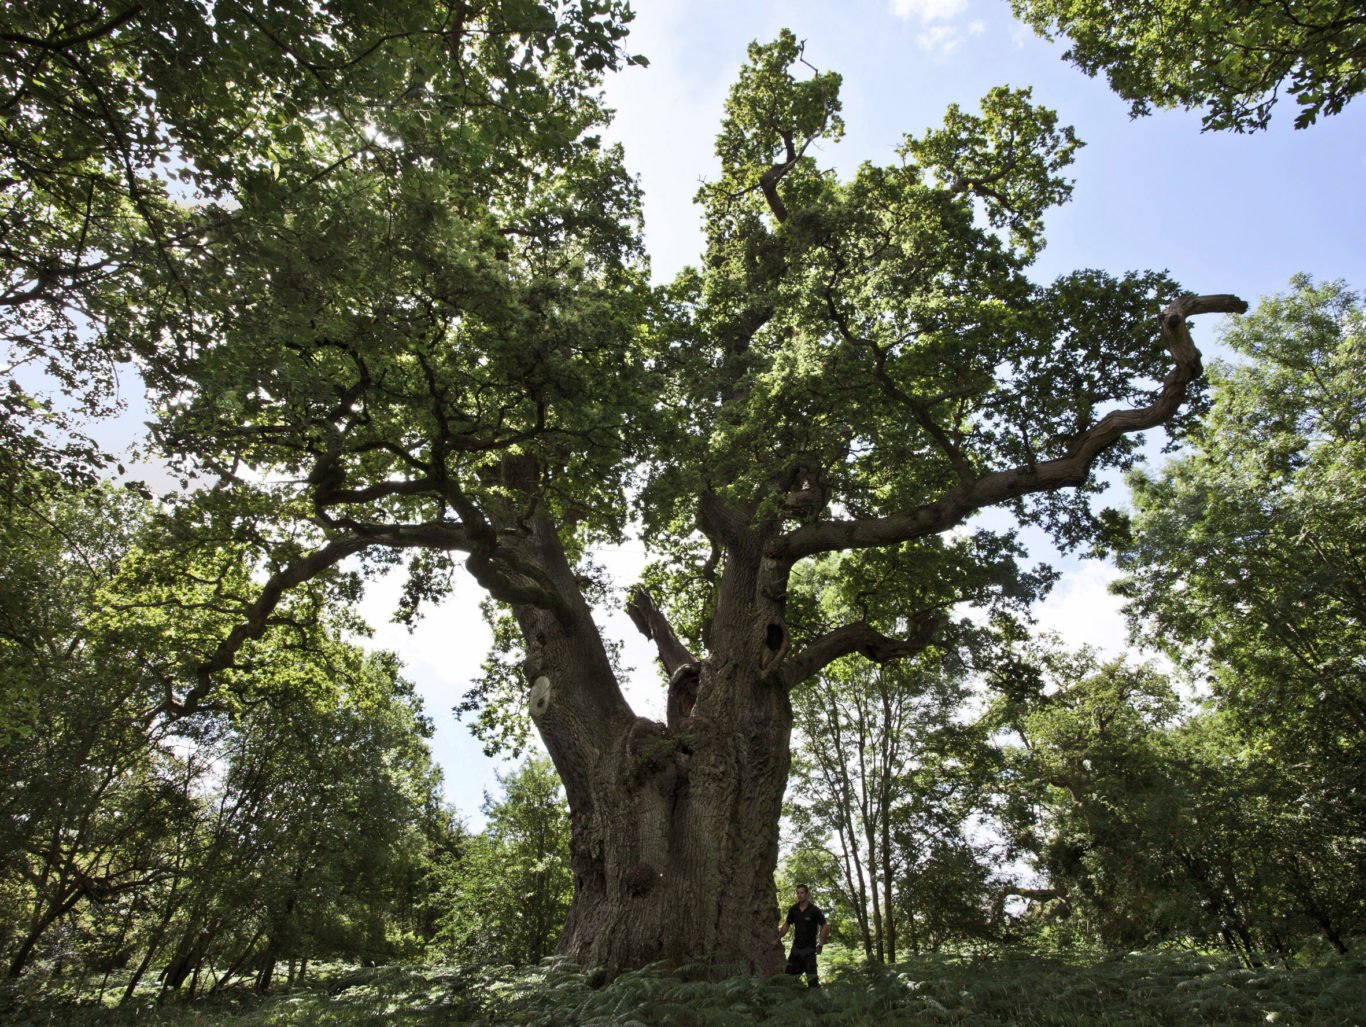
(540, 697)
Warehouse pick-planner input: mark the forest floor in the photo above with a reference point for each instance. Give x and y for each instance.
(1135, 990)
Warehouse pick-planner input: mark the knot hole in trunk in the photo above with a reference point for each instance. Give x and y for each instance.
(641, 878)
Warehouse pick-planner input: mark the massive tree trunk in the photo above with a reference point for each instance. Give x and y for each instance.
(674, 825)
(675, 840)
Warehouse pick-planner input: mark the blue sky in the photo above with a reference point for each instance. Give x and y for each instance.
(1220, 212)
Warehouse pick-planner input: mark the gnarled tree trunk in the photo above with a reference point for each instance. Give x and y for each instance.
(674, 825)
(675, 840)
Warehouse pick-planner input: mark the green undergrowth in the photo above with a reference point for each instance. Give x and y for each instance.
(1135, 991)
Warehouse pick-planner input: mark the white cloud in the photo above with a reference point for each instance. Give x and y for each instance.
(943, 39)
(1083, 610)
(929, 10)
(940, 32)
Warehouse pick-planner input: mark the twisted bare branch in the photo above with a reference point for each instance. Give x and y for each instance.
(1070, 469)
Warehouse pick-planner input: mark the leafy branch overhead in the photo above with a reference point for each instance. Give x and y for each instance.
(123, 164)
(1232, 59)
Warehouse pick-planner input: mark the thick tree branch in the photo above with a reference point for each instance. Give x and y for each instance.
(493, 559)
(683, 668)
(1067, 470)
(859, 637)
(649, 619)
(719, 521)
(89, 36)
(768, 182)
(259, 616)
(257, 620)
(1040, 895)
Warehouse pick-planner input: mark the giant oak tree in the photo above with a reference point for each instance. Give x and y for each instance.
(423, 332)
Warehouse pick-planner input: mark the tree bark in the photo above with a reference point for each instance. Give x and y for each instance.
(675, 847)
(674, 827)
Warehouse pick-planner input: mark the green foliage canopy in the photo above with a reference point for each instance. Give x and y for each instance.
(1153, 821)
(1243, 559)
(275, 825)
(1233, 59)
(400, 308)
(1244, 556)
(135, 136)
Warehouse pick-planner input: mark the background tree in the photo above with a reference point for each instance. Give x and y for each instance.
(881, 787)
(322, 798)
(1233, 59)
(1152, 820)
(273, 826)
(1243, 564)
(86, 786)
(1091, 797)
(505, 899)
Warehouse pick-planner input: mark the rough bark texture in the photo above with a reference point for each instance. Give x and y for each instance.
(675, 843)
(675, 826)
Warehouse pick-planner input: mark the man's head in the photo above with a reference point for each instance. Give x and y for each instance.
(801, 893)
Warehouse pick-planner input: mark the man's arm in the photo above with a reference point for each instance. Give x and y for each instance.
(782, 930)
(825, 933)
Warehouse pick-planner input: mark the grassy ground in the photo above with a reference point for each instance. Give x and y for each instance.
(1135, 991)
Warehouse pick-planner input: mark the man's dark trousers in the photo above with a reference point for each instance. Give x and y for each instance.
(803, 961)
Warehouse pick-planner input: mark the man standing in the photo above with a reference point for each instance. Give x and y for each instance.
(806, 942)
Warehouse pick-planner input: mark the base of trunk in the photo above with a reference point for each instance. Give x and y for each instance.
(674, 853)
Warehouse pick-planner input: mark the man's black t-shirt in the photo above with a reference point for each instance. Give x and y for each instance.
(805, 921)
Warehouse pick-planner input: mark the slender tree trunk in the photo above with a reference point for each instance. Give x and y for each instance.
(1331, 933)
(836, 772)
(858, 898)
(889, 914)
(189, 953)
(1305, 886)
(57, 908)
(245, 955)
(869, 814)
(889, 736)
(146, 961)
(875, 887)
(153, 943)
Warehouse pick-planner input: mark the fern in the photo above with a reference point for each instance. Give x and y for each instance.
(1139, 990)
